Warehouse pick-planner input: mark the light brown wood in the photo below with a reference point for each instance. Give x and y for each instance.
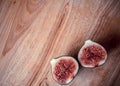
(32, 32)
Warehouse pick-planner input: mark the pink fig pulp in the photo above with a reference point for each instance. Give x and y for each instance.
(92, 54)
(64, 69)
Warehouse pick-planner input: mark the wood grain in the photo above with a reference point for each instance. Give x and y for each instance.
(32, 32)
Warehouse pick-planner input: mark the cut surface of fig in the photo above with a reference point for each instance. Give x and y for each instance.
(92, 54)
(64, 69)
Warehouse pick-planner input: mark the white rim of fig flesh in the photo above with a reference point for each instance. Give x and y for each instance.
(87, 44)
(57, 60)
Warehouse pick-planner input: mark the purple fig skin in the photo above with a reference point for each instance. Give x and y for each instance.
(64, 69)
(92, 54)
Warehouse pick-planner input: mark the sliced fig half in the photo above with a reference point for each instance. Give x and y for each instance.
(92, 54)
(64, 69)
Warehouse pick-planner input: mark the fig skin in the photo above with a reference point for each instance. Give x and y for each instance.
(64, 69)
(92, 54)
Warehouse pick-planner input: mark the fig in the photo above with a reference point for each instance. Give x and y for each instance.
(92, 54)
(64, 69)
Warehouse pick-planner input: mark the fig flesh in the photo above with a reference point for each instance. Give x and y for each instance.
(64, 69)
(92, 54)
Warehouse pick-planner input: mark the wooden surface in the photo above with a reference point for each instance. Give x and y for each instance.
(32, 32)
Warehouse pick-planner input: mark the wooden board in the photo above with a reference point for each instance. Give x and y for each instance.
(32, 32)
